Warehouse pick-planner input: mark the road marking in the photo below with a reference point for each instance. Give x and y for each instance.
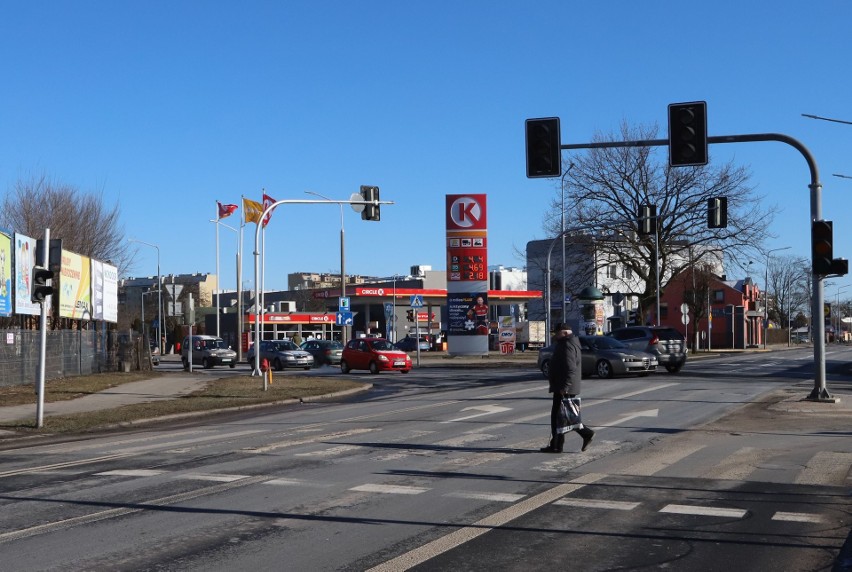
(495, 497)
(307, 440)
(464, 439)
(389, 489)
(741, 464)
(46, 468)
(210, 477)
(131, 473)
(468, 533)
(636, 415)
(825, 468)
(597, 503)
(654, 461)
(294, 483)
(484, 409)
(704, 511)
(330, 452)
(797, 517)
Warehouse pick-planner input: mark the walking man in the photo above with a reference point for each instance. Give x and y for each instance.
(564, 377)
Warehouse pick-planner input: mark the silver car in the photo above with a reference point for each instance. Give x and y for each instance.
(282, 354)
(605, 357)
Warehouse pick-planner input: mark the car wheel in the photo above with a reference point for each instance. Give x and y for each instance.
(207, 363)
(604, 369)
(309, 367)
(278, 365)
(185, 363)
(344, 367)
(406, 370)
(545, 368)
(374, 368)
(233, 365)
(673, 367)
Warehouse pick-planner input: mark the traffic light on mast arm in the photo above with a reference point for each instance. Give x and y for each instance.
(822, 249)
(688, 134)
(371, 210)
(544, 148)
(41, 289)
(647, 219)
(717, 212)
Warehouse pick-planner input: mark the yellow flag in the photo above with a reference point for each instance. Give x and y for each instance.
(252, 210)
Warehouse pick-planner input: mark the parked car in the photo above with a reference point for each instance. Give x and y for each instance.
(666, 343)
(325, 352)
(374, 354)
(207, 351)
(605, 357)
(410, 343)
(282, 354)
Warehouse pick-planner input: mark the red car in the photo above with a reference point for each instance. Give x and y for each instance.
(374, 354)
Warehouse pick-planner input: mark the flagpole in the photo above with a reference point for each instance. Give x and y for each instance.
(218, 276)
(240, 315)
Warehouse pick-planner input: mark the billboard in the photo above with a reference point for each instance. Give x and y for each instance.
(104, 291)
(5, 274)
(75, 286)
(25, 249)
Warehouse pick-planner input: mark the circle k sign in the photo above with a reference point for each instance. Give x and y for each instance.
(466, 212)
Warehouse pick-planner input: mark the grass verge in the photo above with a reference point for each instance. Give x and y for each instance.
(219, 394)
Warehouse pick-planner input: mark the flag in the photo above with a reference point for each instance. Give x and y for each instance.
(267, 202)
(253, 210)
(226, 210)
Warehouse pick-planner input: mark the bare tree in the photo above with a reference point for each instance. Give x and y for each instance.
(81, 220)
(605, 187)
(788, 288)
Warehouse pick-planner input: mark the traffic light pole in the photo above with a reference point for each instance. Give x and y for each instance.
(820, 392)
(42, 333)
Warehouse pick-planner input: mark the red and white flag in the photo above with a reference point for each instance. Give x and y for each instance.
(267, 202)
(226, 210)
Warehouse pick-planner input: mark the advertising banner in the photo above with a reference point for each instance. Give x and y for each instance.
(104, 291)
(75, 286)
(25, 249)
(5, 274)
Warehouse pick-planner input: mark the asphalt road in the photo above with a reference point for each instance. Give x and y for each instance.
(722, 467)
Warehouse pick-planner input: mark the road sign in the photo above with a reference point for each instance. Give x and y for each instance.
(416, 301)
(388, 310)
(343, 318)
(685, 319)
(684, 308)
(343, 303)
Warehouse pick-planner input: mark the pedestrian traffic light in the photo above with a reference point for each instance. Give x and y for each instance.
(40, 287)
(544, 148)
(647, 219)
(688, 134)
(717, 212)
(839, 267)
(371, 210)
(410, 315)
(822, 250)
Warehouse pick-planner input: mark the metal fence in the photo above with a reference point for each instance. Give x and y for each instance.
(68, 353)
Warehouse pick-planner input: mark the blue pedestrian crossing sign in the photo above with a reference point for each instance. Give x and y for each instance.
(344, 318)
(416, 301)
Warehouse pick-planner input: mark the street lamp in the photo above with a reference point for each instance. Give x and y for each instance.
(344, 328)
(159, 294)
(766, 292)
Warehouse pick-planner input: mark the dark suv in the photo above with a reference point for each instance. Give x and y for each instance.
(666, 343)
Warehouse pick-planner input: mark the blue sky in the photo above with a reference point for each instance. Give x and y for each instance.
(167, 107)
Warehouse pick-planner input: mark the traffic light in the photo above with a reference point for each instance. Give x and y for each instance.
(688, 134)
(371, 210)
(822, 250)
(41, 289)
(839, 267)
(544, 153)
(717, 212)
(410, 315)
(647, 219)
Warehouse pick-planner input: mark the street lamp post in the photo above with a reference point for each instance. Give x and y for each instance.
(345, 332)
(218, 278)
(159, 294)
(766, 292)
(562, 233)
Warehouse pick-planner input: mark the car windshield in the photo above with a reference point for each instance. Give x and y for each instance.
(285, 345)
(217, 344)
(605, 343)
(335, 345)
(382, 346)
